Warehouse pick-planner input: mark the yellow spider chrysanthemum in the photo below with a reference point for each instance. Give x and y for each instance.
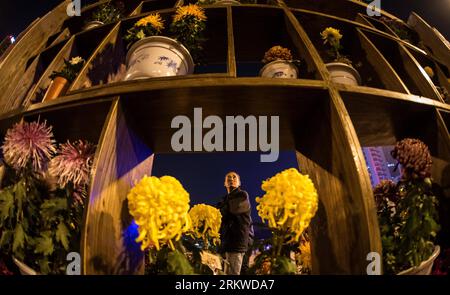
(160, 208)
(153, 19)
(331, 35)
(206, 222)
(305, 254)
(429, 72)
(290, 202)
(189, 10)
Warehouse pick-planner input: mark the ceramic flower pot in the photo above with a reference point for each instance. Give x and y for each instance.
(279, 69)
(228, 2)
(342, 73)
(425, 267)
(24, 269)
(158, 56)
(58, 87)
(92, 24)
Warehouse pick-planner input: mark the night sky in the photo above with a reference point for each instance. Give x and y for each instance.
(203, 174)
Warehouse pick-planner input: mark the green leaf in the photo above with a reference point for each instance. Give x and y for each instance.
(62, 235)
(6, 238)
(44, 266)
(19, 238)
(20, 192)
(44, 244)
(6, 204)
(50, 208)
(178, 264)
(283, 266)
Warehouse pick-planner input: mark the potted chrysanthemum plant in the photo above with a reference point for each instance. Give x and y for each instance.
(203, 238)
(407, 212)
(152, 55)
(279, 63)
(341, 69)
(106, 13)
(61, 212)
(289, 204)
(61, 79)
(27, 150)
(160, 233)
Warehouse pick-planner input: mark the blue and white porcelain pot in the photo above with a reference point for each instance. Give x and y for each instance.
(158, 56)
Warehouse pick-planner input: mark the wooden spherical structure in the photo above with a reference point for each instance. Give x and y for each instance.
(327, 124)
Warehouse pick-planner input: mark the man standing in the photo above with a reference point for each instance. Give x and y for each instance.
(236, 222)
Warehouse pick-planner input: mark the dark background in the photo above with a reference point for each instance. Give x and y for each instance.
(16, 15)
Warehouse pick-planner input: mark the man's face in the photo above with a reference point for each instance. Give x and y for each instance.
(232, 180)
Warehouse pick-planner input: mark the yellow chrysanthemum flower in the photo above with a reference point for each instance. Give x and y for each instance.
(154, 20)
(189, 10)
(429, 72)
(206, 221)
(290, 202)
(160, 208)
(305, 255)
(331, 35)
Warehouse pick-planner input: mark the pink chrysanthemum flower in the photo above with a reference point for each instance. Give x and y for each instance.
(29, 143)
(73, 163)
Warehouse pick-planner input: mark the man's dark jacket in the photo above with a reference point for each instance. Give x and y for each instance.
(236, 221)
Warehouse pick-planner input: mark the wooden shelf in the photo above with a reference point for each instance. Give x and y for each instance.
(256, 30)
(383, 122)
(75, 24)
(327, 124)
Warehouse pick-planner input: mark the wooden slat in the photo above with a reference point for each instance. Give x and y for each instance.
(301, 46)
(360, 18)
(385, 71)
(108, 245)
(13, 65)
(41, 86)
(430, 38)
(418, 75)
(101, 62)
(231, 58)
(311, 54)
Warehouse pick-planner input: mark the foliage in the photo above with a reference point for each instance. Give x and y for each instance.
(188, 26)
(332, 37)
(151, 25)
(407, 211)
(70, 70)
(108, 13)
(39, 223)
(20, 202)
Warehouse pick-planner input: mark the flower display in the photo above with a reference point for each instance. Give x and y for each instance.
(187, 27)
(29, 144)
(305, 255)
(290, 202)
(189, 11)
(160, 208)
(153, 20)
(384, 192)
(151, 25)
(70, 70)
(73, 163)
(429, 72)
(415, 158)
(331, 36)
(277, 53)
(206, 221)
